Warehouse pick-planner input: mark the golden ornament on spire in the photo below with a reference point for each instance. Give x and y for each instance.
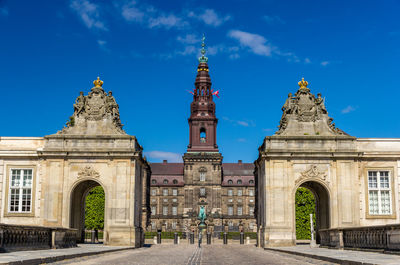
(302, 83)
(98, 82)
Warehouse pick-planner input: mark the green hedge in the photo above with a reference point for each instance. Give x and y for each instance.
(236, 235)
(305, 204)
(164, 235)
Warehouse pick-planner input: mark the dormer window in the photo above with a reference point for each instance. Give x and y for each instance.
(203, 135)
(175, 181)
(165, 181)
(230, 182)
(153, 181)
(239, 182)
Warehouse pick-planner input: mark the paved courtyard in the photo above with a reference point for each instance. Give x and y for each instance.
(190, 254)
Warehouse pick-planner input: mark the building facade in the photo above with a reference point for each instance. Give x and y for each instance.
(44, 180)
(355, 181)
(226, 190)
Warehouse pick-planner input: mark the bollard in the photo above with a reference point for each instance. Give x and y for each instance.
(241, 238)
(192, 238)
(155, 240)
(159, 237)
(208, 238)
(175, 238)
(225, 238)
(93, 236)
(247, 240)
(179, 240)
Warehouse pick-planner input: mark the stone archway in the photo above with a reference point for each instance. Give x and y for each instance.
(77, 208)
(322, 205)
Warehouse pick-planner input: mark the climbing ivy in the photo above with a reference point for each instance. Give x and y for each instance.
(305, 205)
(94, 210)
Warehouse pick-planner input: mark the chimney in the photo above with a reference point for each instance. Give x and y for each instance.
(165, 162)
(239, 162)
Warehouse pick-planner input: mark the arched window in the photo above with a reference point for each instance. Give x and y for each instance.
(239, 181)
(175, 181)
(153, 181)
(165, 181)
(251, 181)
(230, 182)
(203, 135)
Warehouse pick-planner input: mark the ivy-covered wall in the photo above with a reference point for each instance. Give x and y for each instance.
(305, 205)
(94, 210)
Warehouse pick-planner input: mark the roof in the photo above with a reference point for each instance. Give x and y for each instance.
(166, 169)
(162, 180)
(238, 169)
(245, 181)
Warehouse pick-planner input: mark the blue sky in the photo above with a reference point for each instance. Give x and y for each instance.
(146, 53)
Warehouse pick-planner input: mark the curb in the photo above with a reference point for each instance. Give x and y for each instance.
(62, 257)
(319, 257)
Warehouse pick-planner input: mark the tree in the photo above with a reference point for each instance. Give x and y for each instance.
(305, 205)
(94, 210)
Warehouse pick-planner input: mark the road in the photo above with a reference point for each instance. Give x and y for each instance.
(192, 255)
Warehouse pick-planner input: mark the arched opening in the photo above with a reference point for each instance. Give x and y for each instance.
(311, 198)
(203, 135)
(88, 209)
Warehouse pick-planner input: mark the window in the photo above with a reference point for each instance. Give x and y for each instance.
(165, 200)
(175, 181)
(202, 191)
(153, 200)
(239, 200)
(173, 225)
(230, 200)
(165, 210)
(203, 135)
(251, 225)
(251, 210)
(165, 192)
(230, 223)
(239, 210)
(153, 210)
(165, 181)
(154, 192)
(20, 200)
(251, 182)
(251, 192)
(251, 200)
(239, 182)
(153, 181)
(379, 195)
(230, 182)
(202, 176)
(239, 193)
(175, 192)
(153, 225)
(174, 200)
(174, 210)
(230, 192)
(230, 210)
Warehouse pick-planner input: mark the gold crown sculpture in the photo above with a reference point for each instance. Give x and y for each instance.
(98, 82)
(303, 84)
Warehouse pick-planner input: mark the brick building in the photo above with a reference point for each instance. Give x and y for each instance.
(177, 190)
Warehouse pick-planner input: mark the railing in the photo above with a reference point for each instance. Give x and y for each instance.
(20, 237)
(386, 237)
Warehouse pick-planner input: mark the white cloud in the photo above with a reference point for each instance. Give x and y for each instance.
(89, 13)
(102, 45)
(256, 43)
(243, 123)
(241, 140)
(131, 13)
(234, 56)
(161, 155)
(210, 17)
(240, 123)
(167, 21)
(325, 63)
(267, 130)
(307, 61)
(348, 109)
(188, 50)
(189, 39)
(273, 20)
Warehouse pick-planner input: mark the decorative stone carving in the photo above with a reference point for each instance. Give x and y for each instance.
(88, 171)
(312, 173)
(304, 114)
(96, 113)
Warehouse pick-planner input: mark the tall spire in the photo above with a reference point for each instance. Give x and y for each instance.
(203, 59)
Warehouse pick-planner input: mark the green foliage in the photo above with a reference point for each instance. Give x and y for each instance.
(305, 205)
(164, 235)
(94, 211)
(236, 235)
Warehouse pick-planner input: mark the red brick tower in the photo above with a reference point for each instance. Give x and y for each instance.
(202, 121)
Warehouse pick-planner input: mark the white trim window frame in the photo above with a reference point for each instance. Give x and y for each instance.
(202, 176)
(20, 190)
(379, 192)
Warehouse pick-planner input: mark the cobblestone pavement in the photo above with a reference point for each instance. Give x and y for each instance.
(190, 254)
